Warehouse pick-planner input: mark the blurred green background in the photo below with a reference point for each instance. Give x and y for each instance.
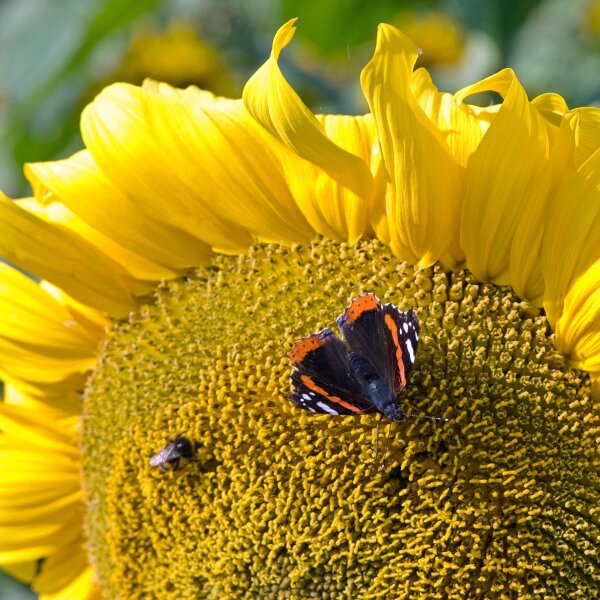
(55, 55)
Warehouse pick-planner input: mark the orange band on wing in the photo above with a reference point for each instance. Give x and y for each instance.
(360, 305)
(391, 325)
(311, 385)
(302, 347)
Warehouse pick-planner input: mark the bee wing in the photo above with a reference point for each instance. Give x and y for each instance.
(167, 454)
(157, 459)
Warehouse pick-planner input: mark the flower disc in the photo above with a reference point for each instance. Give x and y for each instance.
(500, 501)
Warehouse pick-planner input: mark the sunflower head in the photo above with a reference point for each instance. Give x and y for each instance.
(280, 501)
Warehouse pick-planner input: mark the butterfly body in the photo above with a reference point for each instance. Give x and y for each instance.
(366, 372)
(375, 388)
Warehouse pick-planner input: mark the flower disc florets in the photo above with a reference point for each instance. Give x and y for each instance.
(281, 503)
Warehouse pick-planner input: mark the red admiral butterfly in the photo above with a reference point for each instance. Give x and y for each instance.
(368, 372)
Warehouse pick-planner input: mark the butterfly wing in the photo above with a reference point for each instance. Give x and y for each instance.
(322, 378)
(405, 339)
(382, 335)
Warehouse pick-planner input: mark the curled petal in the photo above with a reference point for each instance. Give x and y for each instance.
(462, 125)
(578, 328)
(333, 210)
(425, 180)
(572, 239)
(505, 175)
(551, 106)
(526, 269)
(588, 138)
(275, 105)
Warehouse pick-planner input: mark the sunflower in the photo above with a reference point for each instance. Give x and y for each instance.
(213, 233)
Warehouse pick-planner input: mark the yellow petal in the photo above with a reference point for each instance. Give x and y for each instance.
(83, 587)
(61, 569)
(38, 380)
(78, 183)
(45, 370)
(424, 194)
(31, 459)
(36, 429)
(40, 338)
(31, 315)
(578, 328)
(276, 106)
(52, 390)
(63, 259)
(572, 240)
(588, 139)
(57, 510)
(551, 106)
(41, 505)
(92, 320)
(526, 270)
(126, 147)
(138, 274)
(28, 542)
(44, 492)
(62, 397)
(229, 161)
(334, 210)
(505, 175)
(462, 125)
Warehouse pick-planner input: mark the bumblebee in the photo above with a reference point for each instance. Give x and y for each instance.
(171, 455)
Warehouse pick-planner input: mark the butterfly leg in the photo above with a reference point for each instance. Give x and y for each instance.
(385, 444)
(376, 451)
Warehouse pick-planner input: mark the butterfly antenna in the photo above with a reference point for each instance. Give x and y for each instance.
(440, 419)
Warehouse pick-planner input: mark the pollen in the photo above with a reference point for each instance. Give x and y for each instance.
(499, 501)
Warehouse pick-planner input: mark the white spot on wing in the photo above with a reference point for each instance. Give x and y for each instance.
(326, 408)
(405, 326)
(411, 352)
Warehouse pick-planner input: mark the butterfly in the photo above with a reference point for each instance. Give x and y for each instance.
(366, 372)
